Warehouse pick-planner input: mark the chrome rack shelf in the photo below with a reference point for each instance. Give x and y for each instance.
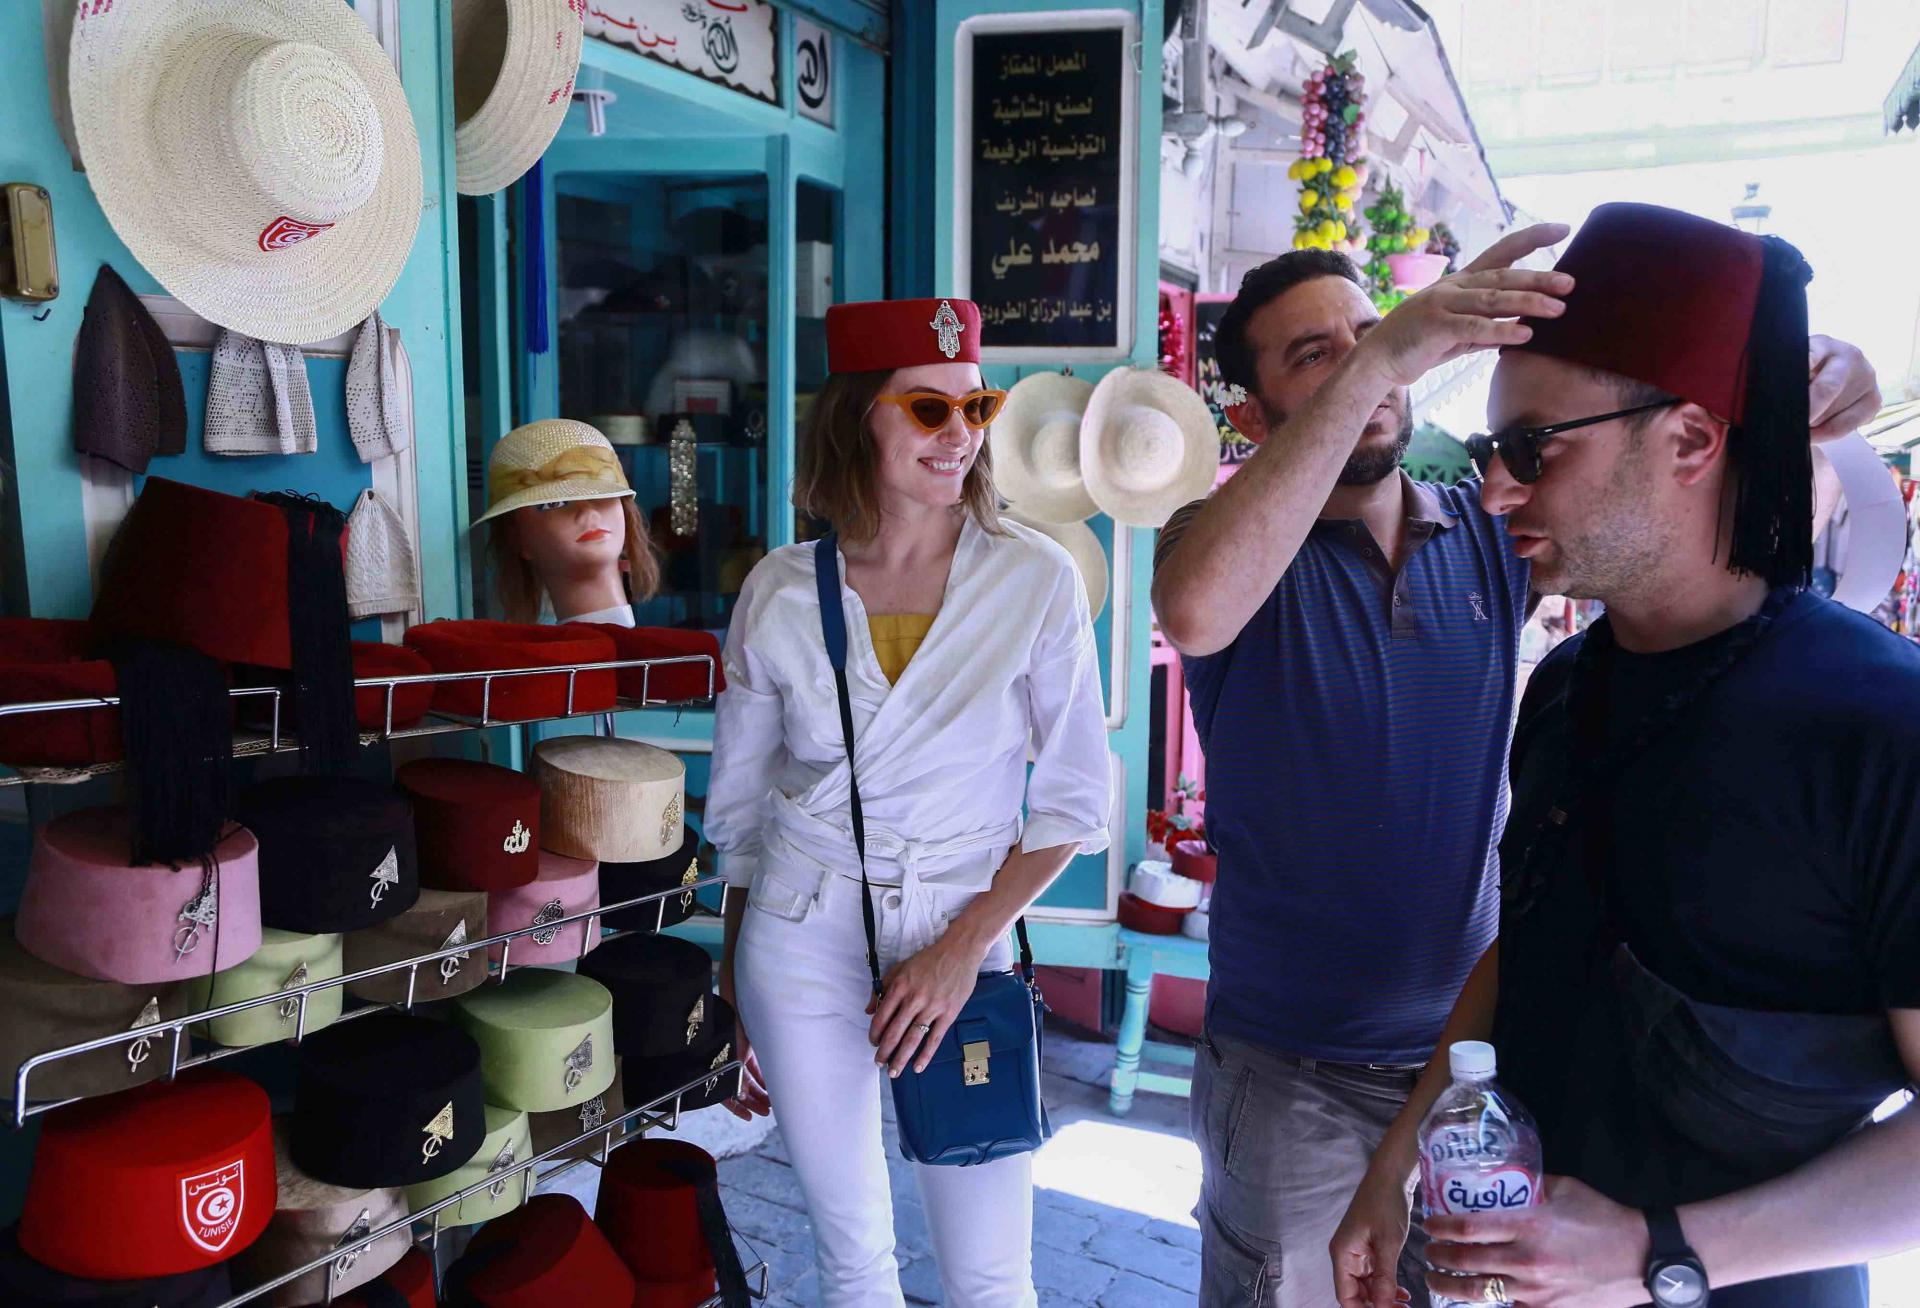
(663, 1113)
(275, 740)
(175, 1030)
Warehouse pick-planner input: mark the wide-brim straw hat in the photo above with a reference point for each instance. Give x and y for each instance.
(1148, 445)
(514, 62)
(260, 159)
(1078, 540)
(1036, 448)
(550, 462)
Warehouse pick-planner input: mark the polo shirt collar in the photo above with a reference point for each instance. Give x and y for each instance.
(1419, 504)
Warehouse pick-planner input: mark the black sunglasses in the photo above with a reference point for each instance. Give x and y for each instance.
(1519, 447)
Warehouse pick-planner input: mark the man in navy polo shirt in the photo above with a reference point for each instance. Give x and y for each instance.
(1349, 640)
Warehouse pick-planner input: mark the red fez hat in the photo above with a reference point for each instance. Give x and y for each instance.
(1714, 315)
(476, 825)
(52, 658)
(543, 1253)
(406, 1284)
(680, 681)
(475, 645)
(660, 1206)
(180, 1173)
(879, 335)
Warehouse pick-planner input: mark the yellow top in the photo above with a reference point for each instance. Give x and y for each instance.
(895, 638)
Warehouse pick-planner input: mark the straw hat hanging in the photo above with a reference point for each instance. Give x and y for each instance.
(1036, 448)
(260, 159)
(1148, 445)
(1078, 540)
(514, 62)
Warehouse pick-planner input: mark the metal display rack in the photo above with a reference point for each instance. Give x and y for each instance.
(661, 1113)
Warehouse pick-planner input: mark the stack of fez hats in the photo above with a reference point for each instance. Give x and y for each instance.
(676, 682)
(669, 1028)
(659, 1206)
(181, 1172)
(313, 1217)
(608, 799)
(621, 881)
(546, 1252)
(406, 1284)
(509, 1140)
(472, 645)
(48, 659)
(545, 1038)
(393, 1099)
(372, 658)
(28, 1283)
(92, 908)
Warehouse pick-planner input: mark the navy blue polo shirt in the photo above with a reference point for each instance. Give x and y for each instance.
(1356, 739)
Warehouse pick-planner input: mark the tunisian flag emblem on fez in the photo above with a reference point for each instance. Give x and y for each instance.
(211, 1203)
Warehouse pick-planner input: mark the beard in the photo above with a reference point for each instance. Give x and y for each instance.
(1364, 467)
(1617, 551)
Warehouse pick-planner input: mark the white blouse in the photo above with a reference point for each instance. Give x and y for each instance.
(943, 753)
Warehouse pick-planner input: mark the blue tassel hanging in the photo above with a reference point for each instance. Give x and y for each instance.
(533, 207)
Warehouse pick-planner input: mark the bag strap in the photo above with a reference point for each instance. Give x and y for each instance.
(833, 629)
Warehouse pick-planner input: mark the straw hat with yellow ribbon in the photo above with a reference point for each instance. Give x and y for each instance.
(550, 462)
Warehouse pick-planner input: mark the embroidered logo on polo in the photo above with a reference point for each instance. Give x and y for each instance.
(196, 915)
(501, 1162)
(579, 1063)
(291, 1004)
(947, 323)
(719, 1061)
(438, 1132)
(210, 1204)
(551, 911)
(670, 820)
(518, 840)
(593, 1113)
(1479, 606)
(687, 878)
(451, 964)
(359, 1229)
(385, 876)
(138, 1050)
(696, 1017)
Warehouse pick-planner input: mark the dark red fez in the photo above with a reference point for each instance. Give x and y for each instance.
(46, 659)
(681, 681)
(476, 825)
(878, 335)
(371, 658)
(544, 1253)
(161, 1179)
(406, 1284)
(1718, 316)
(481, 646)
(649, 1207)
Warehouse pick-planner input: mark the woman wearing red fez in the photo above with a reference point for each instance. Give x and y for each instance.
(968, 638)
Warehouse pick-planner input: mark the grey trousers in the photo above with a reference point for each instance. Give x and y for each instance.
(1283, 1143)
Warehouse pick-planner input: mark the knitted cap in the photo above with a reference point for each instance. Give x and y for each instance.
(258, 401)
(381, 574)
(128, 403)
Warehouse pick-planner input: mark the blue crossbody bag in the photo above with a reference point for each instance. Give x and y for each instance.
(979, 1098)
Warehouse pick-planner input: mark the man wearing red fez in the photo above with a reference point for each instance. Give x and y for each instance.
(1707, 976)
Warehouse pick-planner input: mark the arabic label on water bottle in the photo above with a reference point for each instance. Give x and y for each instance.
(1502, 1191)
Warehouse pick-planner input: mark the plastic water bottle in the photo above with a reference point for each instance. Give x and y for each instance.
(1479, 1151)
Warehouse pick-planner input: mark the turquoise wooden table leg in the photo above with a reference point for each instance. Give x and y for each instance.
(1133, 1030)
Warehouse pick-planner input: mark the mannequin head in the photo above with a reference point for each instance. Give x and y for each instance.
(584, 555)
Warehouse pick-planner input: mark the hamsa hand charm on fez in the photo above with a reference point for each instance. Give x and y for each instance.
(579, 1063)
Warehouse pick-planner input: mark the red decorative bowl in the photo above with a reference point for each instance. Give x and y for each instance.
(1136, 914)
(1191, 858)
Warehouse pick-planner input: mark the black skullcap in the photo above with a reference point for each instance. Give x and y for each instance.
(336, 853)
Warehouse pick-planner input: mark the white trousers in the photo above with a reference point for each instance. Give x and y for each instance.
(800, 974)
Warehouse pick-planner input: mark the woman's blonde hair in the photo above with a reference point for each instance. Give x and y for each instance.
(833, 474)
(518, 587)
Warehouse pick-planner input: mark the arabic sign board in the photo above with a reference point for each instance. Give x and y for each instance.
(1208, 310)
(1048, 144)
(813, 71)
(732, 42)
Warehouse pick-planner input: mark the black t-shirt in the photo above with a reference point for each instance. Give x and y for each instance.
(1766, 848)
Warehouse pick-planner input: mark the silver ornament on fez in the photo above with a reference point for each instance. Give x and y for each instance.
(695, 1017)
(670, 820)
(948, 326)
(451, 964)
(138, 1050)
(438, 1132)
(502, 1161)
(687, 878)
(551, 911)
(359, 1229)
(719, 1061)
(579, 1063)
(593, 1114)
(198, 914)
(384, 877)
(291, 1004)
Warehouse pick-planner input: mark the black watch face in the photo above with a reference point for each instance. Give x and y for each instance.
(1678, 1285)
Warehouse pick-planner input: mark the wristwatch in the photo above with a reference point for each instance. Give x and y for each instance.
(1676, 1278)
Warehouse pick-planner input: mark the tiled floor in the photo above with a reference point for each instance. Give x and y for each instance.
(1112, 1202)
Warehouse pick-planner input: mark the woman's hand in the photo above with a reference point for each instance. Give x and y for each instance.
(922, 995)
(753, 1100)
(1366, 1247)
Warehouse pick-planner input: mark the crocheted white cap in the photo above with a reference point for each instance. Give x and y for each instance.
(381, 574)
(258, 401)
(376, 409)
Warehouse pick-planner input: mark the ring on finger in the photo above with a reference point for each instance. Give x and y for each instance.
(1496, 1291)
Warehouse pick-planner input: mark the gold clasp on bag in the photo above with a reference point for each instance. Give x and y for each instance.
(974, 1069)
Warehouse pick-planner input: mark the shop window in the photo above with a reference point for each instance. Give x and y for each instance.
(662, 343)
